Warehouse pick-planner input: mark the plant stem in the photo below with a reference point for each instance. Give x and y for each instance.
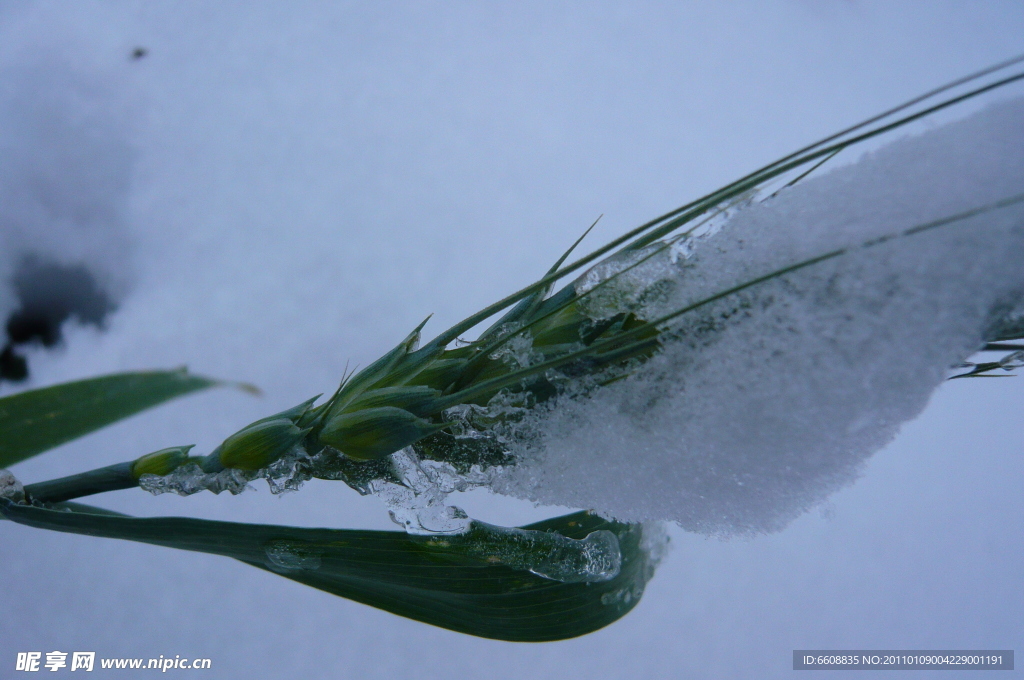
(110, 478)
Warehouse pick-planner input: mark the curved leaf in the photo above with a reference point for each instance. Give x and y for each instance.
(427, 578)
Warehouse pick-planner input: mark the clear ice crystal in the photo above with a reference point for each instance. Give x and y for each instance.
(1012, 361)
(1009, 324)
(655, 544)
(190, 478)
(416, 501)
(11, 488)
(496, 421)
(628, 282)
(288, 473)
(286, 555)
(623, 595)
(681, 249)
(593, 559)
(517, 352)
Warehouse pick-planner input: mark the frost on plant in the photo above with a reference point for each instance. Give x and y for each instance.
(283, 555)
(593, 559)
(726, 371)
(285, 474)
(733, 407)
(761, 403)
(10, 487)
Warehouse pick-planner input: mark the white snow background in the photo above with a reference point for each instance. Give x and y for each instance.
(274, 191)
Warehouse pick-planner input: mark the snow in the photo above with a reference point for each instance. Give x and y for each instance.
(764, 403)
(65, 170)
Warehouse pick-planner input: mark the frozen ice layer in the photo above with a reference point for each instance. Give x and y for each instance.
(287, 556)
(10, 487)
(189, 479)
(592, 559)
(416, 493)
(764, 402)
(758, 403)
(288, 473)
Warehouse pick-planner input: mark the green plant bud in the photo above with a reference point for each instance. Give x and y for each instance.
(375, 432)
(160, 462)
(563, 327)
(260, 444)
(416, 399)
(380, 371)
(440, 373)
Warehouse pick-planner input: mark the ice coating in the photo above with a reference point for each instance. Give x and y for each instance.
(10, 487)
(416, 498)
(761, 403)
(190, 479)
(1011, 325)
(284, 555)
(765, 402)
(1008, 363)
(654, 543)
(285, 474)
(592, 559)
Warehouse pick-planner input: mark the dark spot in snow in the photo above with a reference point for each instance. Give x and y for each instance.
(49, 294)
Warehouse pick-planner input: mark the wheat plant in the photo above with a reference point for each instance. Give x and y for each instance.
(428, 419)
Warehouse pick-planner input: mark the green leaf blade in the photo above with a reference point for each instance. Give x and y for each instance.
(425, 578)
(35, 421)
